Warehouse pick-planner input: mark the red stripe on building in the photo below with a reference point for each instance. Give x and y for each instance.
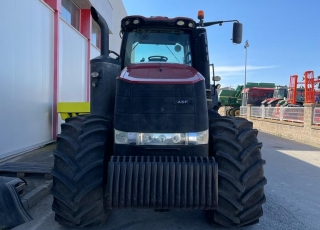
(56, 6)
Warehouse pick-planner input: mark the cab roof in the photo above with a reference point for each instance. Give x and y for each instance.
(138, 21)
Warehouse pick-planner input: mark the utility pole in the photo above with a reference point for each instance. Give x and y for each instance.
(246, 45)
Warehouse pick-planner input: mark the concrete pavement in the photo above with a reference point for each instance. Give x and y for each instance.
(293, 173)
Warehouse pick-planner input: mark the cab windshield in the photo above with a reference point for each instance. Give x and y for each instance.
(280, 93)
(147, 46)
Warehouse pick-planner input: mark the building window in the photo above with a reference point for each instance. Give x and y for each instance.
(70, 13)
(96, 35)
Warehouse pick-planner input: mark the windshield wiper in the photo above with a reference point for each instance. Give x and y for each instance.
(141, 40)
(172, 53)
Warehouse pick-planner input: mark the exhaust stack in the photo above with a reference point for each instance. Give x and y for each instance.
(104, 71)
(104, 31)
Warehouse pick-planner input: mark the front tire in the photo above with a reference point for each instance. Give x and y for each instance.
(79, 167)
(237, 151)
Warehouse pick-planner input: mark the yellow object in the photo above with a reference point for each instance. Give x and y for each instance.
(71, 109)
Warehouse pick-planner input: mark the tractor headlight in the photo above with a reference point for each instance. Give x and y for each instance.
(202, 137)
(131, 138)
(161, 139)
(121, 137)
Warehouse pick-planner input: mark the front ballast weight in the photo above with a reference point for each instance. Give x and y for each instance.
(162, 182)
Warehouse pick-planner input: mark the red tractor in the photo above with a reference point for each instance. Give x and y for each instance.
(256, 95)
(150, 141)
(279, 94)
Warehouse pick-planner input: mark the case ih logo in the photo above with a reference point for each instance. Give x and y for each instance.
(183, 102)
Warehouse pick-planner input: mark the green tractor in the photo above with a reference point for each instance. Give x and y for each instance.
(150, 140)
(231, 99)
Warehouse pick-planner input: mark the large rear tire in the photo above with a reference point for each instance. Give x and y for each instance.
(237, 112)
(234, 144)
(228, 112)
(232, 112)
(79, 169)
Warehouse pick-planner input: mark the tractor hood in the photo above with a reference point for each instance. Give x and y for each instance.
(270, 100)
(160, 73)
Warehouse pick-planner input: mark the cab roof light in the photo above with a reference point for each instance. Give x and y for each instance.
(127, 22)
(200, 15)
(180, 23)
(136, 21)
(191, 24)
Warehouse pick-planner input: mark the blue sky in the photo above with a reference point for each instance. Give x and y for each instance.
(284, 35)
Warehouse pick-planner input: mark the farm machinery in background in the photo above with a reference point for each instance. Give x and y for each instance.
(254, 93)
(297, 93)
(280, 97)
(279, 94)
(310, 93)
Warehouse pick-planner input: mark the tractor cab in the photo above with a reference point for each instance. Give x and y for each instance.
(280, 92)
(144, 41)
(178, 40)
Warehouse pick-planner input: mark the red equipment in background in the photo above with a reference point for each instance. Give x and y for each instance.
(255, 95)
(292, 90)
(308, 84)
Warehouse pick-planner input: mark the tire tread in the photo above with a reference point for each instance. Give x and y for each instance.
(79, 192)
(234, 144)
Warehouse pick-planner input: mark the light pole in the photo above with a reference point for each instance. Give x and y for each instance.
(246, 45)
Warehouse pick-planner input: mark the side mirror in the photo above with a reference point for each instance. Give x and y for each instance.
(237, 33)
(216, 78)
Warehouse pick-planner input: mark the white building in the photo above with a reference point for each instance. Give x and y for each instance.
(46, 46)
